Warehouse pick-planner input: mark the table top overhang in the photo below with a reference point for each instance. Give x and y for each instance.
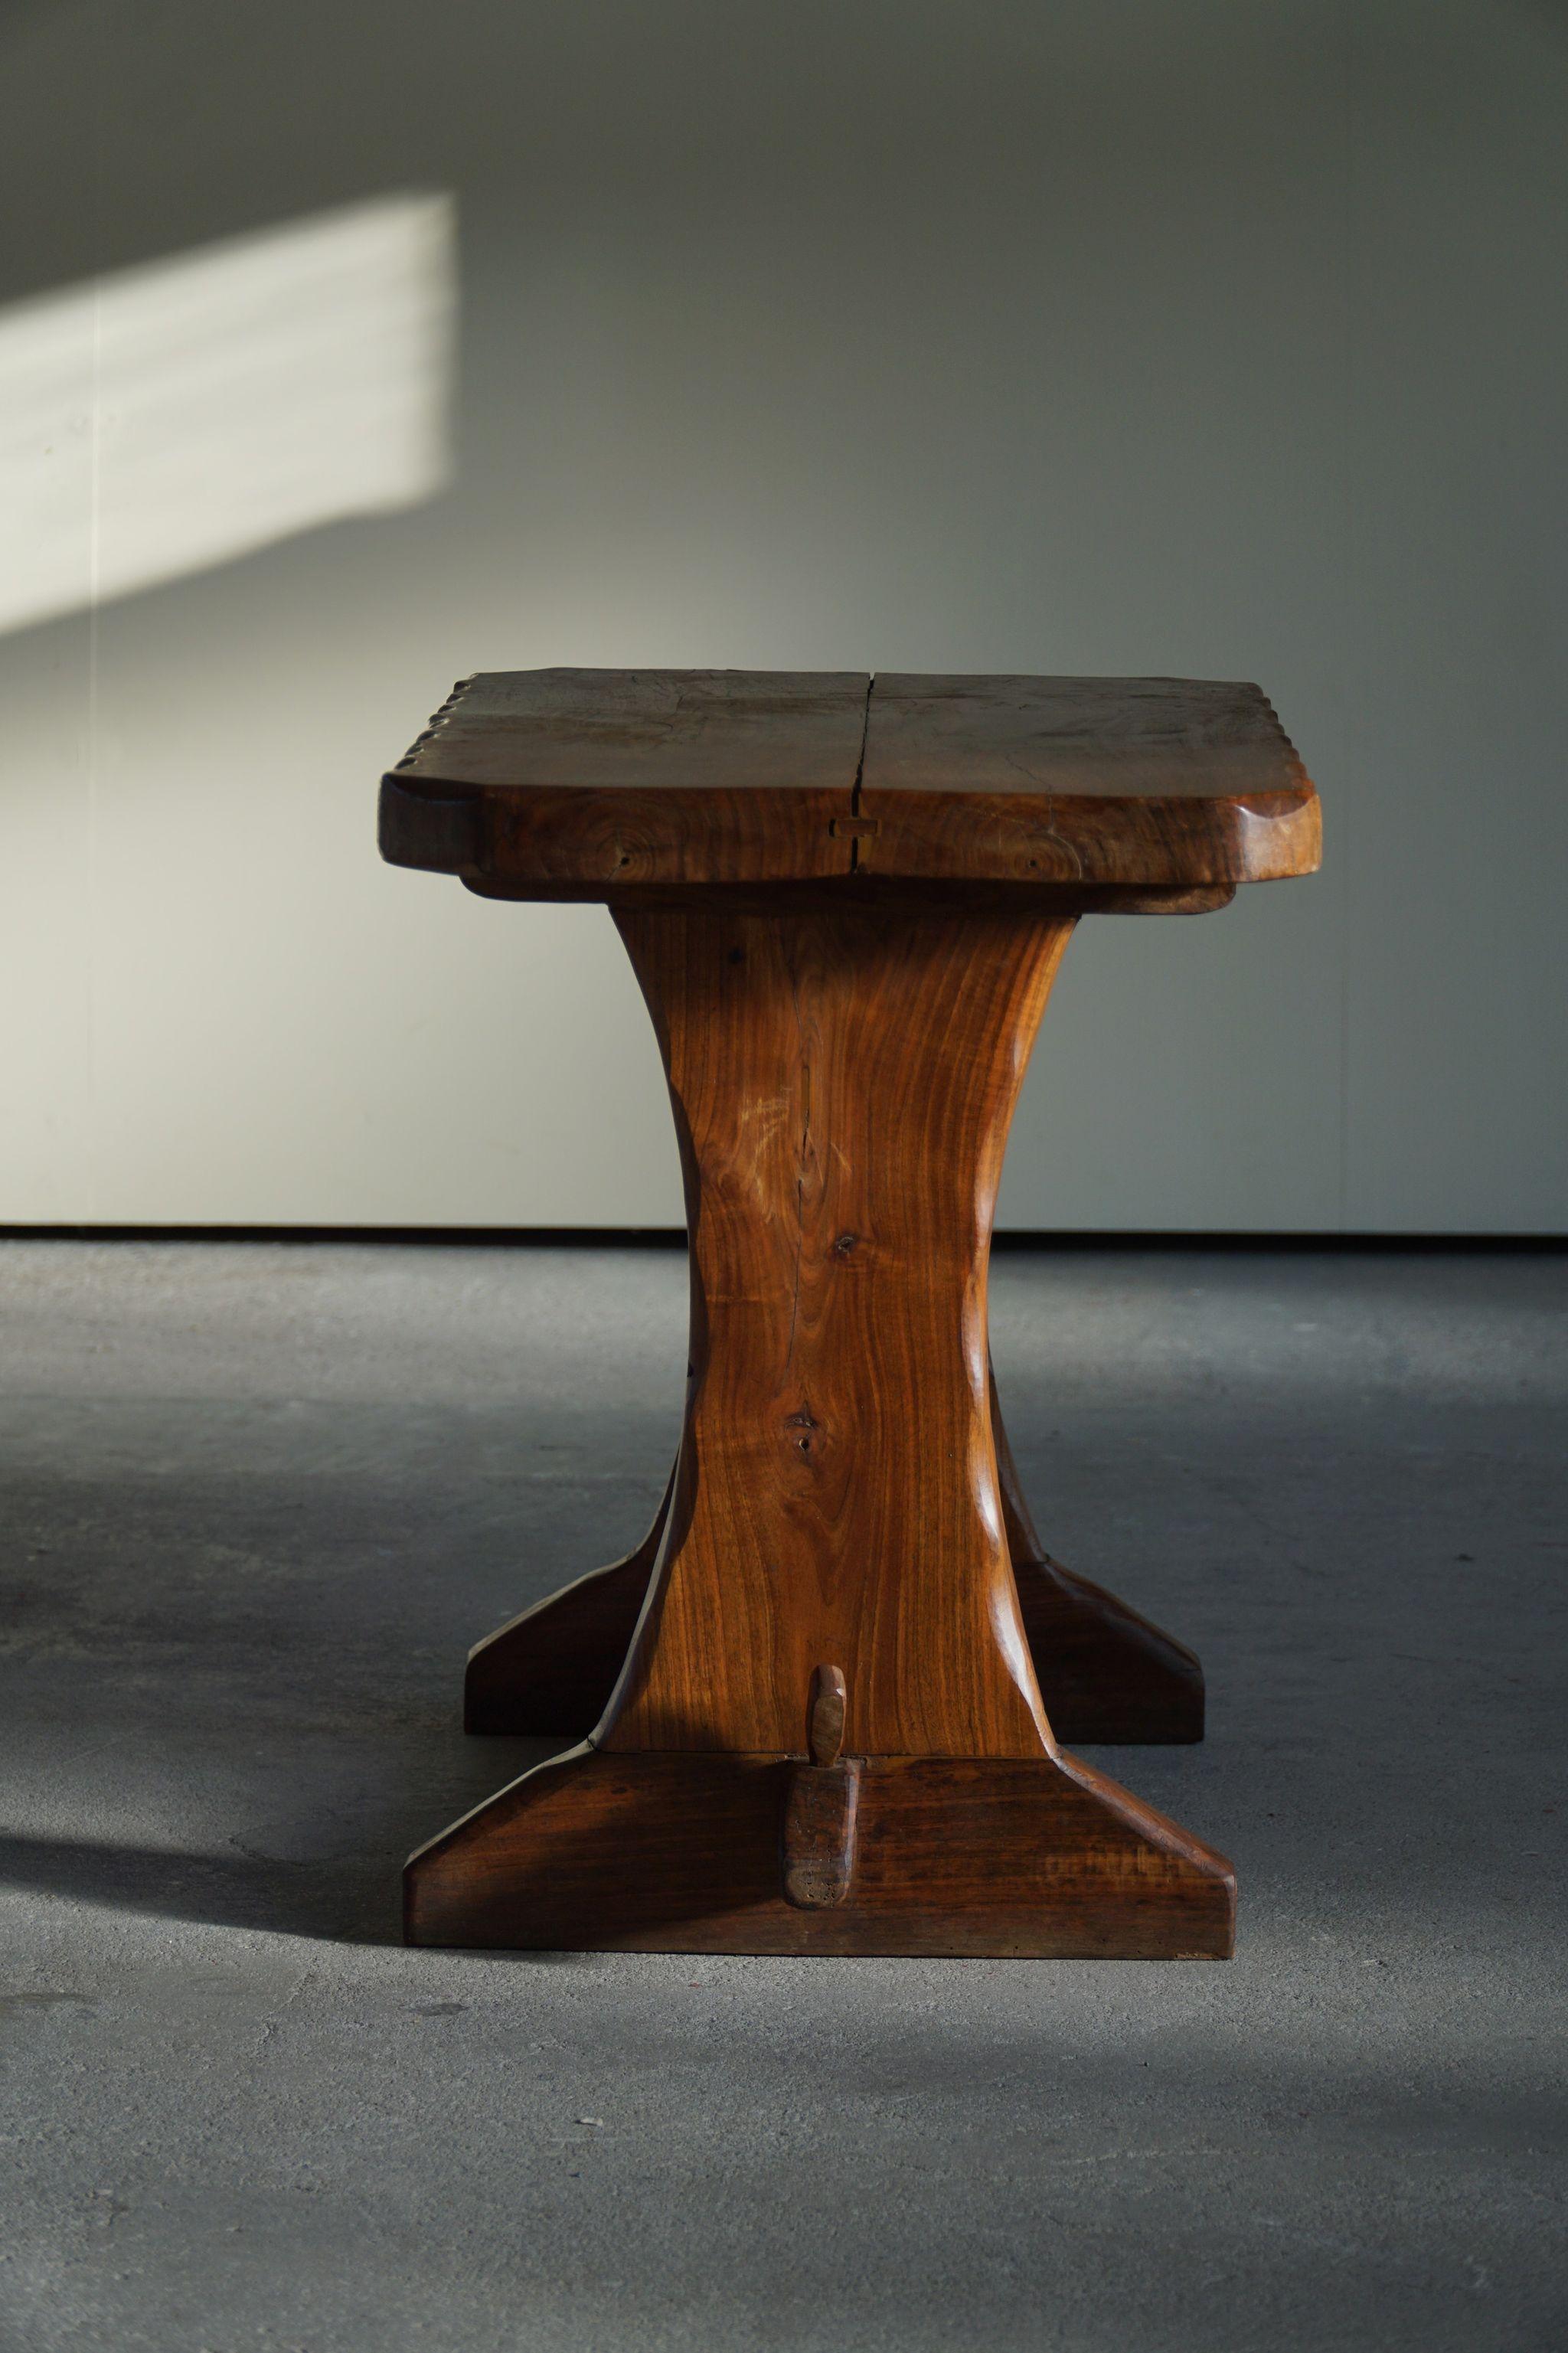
(588, 782)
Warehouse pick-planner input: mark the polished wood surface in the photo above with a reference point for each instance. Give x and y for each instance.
(842, 1080)
(577, 783)
(822, 1803)
(843, 1083)
(845, 900)
(1081, 781)
(565, 783)
(666, 1852)
(1106, 1674)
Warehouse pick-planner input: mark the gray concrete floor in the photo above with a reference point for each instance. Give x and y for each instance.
(257, 1502)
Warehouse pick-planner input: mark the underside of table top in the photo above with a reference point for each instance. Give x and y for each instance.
(591, 783)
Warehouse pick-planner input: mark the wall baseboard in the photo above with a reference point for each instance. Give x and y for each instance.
(674, 1237)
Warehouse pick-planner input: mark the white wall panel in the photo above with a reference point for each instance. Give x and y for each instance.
(1223, 339)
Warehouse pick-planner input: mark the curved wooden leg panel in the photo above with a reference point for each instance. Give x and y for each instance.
(669, 1852)
(1105, 1672)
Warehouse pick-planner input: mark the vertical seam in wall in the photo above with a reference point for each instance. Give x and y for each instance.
(1348, 557)
(94, 550)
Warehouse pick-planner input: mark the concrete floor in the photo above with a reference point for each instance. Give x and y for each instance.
(260, 1500)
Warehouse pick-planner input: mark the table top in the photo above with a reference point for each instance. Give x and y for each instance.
(589, 783)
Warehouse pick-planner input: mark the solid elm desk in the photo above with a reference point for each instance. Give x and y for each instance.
(817, 1709)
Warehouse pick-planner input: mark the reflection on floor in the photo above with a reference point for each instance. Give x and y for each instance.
(258, 1500)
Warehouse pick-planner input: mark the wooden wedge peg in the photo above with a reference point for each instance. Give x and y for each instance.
(825, 1716)
(821, 1803)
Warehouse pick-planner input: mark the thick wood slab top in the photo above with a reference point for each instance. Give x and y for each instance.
(589, 784)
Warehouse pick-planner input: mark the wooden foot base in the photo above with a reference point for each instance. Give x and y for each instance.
(671, 1851)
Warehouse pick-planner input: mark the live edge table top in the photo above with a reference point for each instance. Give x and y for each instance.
(592, 783)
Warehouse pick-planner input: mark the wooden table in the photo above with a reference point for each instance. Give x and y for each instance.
(817, 1709)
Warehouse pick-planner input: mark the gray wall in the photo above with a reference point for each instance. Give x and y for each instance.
(1221, 338)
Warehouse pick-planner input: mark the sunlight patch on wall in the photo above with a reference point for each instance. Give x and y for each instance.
(185, 412)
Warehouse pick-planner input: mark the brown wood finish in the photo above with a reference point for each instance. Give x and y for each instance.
(662, 1852)
(554, 783)
(1082, 782)
(842, 1084)
(1105, 1674)
(845, 917)
(825, 1716)
(821, 1799)
(589, 781)
(821, 1821)
(842, 1080)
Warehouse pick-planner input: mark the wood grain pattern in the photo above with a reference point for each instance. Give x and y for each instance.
(679, 1854)
(595, 781)
(686, 731)
(1106, 1674)
(844, 900)
(598, 784)
(1081, 782)
(825, 1715)
(842, 1083)
(822, 1802)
